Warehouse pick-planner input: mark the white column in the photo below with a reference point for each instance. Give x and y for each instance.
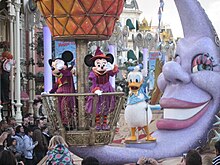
(18, 67)
(137, 53)
(145, 60)
(12, 15)
(33, 68)
(31, 36)
(0, 99)
(47, 56)
(14, 37)
(12, 69)
(112, 51)
(12, 91)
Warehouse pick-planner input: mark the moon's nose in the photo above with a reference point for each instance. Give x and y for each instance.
(174, 73)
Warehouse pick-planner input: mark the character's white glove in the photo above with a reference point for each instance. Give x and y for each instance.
(60, 64)
(98, 92)
(144, 72)
(44, 93)
(109, 66)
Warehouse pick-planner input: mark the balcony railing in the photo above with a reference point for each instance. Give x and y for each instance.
(76, 123)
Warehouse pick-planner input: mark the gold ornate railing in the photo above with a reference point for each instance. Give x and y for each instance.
(80, 129)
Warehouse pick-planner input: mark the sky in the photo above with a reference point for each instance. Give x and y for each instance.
(170, 15)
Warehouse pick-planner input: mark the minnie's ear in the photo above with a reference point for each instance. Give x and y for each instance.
(88, 61)
(67, 56)
(111, 58)
(50, 62)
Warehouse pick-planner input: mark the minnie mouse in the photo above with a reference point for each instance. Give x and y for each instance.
(64, 84)
(102, 69)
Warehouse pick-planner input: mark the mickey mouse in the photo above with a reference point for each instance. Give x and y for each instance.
(64, 84)
(102, 69)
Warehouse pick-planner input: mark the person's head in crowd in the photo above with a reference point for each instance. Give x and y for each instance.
(147, 161)
(11, 131)
(25, 120)
(206, 160)
(40, 100)
(36, 121)
(3, 125)
(7, 158)
(35, 102)
(19, 129)
(44, 119)
(39, 123)
(193, 158)
(12, 122)
(30, 131)
(90, 161)
(12, 142)
(3, 137)
(31, 118)
(217, 148)
(55, 140)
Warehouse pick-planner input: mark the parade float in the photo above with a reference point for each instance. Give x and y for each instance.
(190, 102)
(82, 21)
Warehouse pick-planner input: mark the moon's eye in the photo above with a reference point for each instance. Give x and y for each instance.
(202, 62)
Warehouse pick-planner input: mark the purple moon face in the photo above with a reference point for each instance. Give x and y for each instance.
(191, 94)
(190, 83)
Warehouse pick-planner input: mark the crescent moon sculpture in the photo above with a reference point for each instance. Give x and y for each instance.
(191, 95)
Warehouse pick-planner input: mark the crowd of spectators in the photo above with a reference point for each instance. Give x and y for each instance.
(192, 157)
(216, 160)
(26, 142)
(31, 141)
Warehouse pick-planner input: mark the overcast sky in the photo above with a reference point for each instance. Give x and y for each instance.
(171, 17)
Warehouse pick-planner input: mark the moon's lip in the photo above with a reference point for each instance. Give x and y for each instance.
(188, 118)
(176, 103)
(182, 114)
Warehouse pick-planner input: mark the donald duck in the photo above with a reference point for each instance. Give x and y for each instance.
(136, 112)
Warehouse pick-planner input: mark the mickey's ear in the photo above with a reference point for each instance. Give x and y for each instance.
(111, 58)
(88, 61)
(50, 62)
(67, 56)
